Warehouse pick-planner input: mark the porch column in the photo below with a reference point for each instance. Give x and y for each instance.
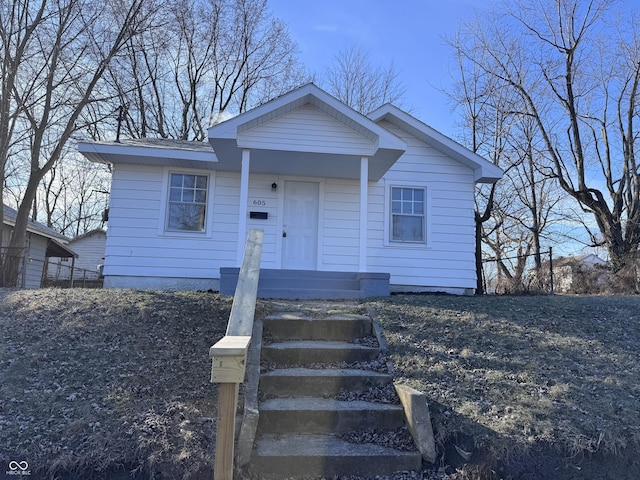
(244, 199)
(364, 201)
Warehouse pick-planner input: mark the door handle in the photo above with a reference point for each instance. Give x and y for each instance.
(284, 234)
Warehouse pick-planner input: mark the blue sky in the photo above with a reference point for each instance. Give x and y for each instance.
(408, 32)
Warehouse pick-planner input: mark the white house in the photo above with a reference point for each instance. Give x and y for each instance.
(379, 199)
(579, 274)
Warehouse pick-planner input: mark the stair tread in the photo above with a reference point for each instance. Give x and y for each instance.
(325, 445)
(319, 345)
(324, 372)
(300, 419)
(298, 316)
(300, 293)
(324, 404)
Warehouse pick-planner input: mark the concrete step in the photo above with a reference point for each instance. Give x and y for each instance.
(296, 432)
(292, 325)
(310, 284)
(300, 279)
(304, 456)
(305, 352)
(325, 415)
(306, 382)
(301, 293)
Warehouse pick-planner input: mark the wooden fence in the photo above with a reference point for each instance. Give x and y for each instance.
(229, 355)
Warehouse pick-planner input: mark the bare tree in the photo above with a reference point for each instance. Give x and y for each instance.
(534, 196)
(356, 81)
(514, 215)
(54, 56)
(215, 58)
(485, 129)
(74, 195)
(577, 78)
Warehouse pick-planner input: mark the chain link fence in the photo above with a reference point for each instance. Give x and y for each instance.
(583, 274)
(36, 273)
(66, 275)
(519, 274)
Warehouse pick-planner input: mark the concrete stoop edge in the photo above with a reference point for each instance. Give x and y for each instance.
(251, 413)
(414, 403)
(416, 412)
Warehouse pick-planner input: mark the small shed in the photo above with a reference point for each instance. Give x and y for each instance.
(41, 243)
(89, 248)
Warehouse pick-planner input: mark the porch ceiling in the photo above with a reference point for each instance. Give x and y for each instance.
(307, 164)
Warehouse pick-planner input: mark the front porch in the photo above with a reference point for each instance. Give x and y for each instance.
(311, 284)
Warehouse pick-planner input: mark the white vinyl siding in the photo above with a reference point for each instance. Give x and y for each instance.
(447, 259)
(341, 216)
(136, 244)
(90, 250)
(139, 246)
(263, 198)
(306, 129)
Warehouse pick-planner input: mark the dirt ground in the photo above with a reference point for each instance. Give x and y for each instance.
(115, 384)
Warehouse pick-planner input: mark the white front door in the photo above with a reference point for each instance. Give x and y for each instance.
(300, 225)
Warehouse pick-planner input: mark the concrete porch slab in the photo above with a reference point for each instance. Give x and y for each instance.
(311, 284)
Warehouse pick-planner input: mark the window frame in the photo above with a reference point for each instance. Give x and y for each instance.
(163, 227)
(426, 206)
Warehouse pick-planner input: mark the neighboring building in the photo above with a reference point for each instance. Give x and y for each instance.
(380, 196)
(41, 243)
(89, 248)
(581, 274)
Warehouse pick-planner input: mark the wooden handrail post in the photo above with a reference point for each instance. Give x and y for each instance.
(229, 355)
(226, 430)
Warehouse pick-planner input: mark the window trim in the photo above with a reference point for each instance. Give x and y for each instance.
(163, 229)
(388, 217)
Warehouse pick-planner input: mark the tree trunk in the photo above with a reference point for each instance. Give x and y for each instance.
(479, 271)
(15, 249)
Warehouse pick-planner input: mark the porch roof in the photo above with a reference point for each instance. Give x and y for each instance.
(286, 147)
(152, 151)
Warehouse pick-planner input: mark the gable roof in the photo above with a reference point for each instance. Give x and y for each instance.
(484, 171)
(56, 246)
(268, 156)
(379, 145)
(11, 214)
(96, 231)
(309, 94)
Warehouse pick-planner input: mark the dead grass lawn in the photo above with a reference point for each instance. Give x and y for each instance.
(516, 373)
(96, 383)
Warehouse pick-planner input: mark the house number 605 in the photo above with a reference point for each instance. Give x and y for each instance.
(259, 203)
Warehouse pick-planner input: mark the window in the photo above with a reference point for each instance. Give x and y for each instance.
(407, 214)
(187, 202)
